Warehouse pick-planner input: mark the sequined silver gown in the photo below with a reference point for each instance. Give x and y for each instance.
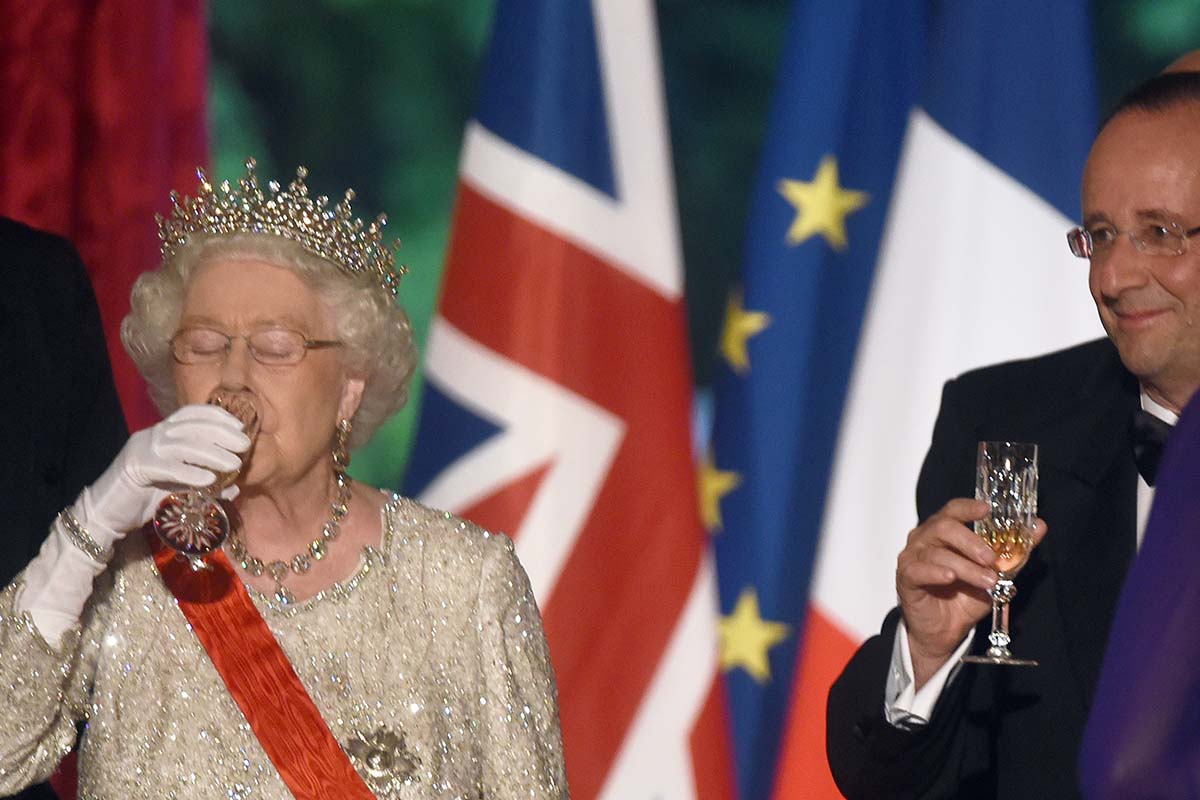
(429, 665)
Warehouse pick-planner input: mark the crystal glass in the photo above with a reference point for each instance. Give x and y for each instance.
(1006, 477)
(195, 522)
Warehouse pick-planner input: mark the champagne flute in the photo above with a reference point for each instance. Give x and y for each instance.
(1006, 477)
(195, 522)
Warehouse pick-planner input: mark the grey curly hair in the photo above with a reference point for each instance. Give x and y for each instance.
(376, 332)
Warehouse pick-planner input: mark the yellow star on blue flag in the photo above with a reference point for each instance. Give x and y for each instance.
(740, 325)
(822, 205)
(746, 638)
(713, 484)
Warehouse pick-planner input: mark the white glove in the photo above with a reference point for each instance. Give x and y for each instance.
(184, 450)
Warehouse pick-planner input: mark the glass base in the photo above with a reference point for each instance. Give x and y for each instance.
(191, 523)
(1000, 661)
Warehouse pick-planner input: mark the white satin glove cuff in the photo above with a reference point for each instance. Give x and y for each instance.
(58, 582)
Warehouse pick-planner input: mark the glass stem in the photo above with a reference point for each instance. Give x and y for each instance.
(999, 639)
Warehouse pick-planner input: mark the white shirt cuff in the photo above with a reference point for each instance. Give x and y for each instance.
(904, 707)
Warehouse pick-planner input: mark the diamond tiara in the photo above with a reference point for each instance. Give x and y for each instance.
(329, 232)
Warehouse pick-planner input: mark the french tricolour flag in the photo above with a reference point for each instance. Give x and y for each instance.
(922, 166)
(557, 396)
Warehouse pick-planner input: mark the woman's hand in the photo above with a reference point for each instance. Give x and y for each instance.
(185, 450)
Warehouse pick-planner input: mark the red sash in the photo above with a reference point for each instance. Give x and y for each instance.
(260, 678)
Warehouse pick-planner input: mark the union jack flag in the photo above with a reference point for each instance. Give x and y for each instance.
(557, 398)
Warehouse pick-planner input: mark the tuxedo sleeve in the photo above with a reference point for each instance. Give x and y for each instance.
(65, 418)
(62, 425)
(869, 757)
(95, 423)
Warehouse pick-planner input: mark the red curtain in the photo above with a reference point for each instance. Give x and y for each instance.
(103, 115)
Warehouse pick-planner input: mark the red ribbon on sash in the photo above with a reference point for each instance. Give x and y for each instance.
(260, 678)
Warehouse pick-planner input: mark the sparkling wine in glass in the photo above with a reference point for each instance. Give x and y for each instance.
(195, 522)
(1006, 477)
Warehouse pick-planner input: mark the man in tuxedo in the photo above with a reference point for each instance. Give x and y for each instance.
(905, 719)
(60, 420)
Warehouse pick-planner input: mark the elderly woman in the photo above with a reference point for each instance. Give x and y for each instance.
(344, 643)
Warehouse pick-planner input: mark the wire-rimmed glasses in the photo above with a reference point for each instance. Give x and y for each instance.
(1152, 237)
(272, 347)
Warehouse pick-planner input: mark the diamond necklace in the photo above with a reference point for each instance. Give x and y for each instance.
(300, 563)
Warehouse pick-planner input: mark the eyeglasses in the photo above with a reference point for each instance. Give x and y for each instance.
(272, 347)
(1151, 238)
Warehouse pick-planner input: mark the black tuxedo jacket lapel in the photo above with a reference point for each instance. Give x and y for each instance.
(1092, 499)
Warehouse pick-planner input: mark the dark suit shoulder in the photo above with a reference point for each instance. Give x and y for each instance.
(12, 230)
(19, 236)
(43, 268)
(1044, 387)
(1060, 371)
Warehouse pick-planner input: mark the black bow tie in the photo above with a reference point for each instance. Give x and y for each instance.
(1149, 437)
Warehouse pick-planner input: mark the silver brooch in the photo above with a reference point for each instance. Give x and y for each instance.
(383, 759)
